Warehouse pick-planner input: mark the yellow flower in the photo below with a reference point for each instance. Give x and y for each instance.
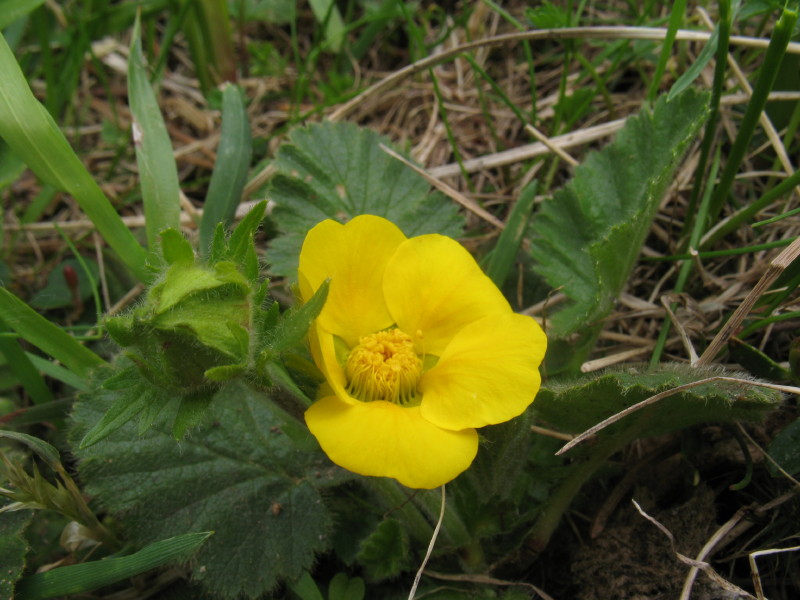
(418, 348)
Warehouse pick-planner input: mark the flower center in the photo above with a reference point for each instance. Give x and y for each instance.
(384, 366)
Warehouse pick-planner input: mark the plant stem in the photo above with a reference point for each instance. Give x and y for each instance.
(544, 527)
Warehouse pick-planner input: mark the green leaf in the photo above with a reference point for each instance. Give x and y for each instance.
(501, 457)
(78, 579)
(338, 171)
(293, 325)
(785, 450)
(245, 478)
(158, 173)
(128, 403)
(192, 409)
(342, 587)
(230, 169)
(384, 554)
(16, 9)
(225, 372)
(305, 587)
(58, 372)
(12, 549)
(573, 407)
(46, 336)
(175, 248)
(240, 247)
(587, 237)
(26, 373)
(327, 13)
(57, 294)
(505, 251)
(42, 449)
(694, 70)
(33, 136)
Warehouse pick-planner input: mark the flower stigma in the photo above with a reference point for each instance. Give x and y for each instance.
(384, 366)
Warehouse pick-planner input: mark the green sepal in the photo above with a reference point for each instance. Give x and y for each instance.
(260, 293)
(225, 372)
(219, 245)
(242, 337)
(175, 248)
(241, 248)
(157, 402)
(278, 375)
(122, 380)
(292, 328)
(134, 395)
(182, 281)
(123, 410)
(191, 411)
(265, 321)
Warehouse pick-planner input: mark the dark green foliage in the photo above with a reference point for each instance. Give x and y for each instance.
(385, 552)
(12, 549)
(252, 475)
(785, 449)
(575, 406)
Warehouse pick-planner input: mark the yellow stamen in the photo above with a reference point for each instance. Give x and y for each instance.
(384, 366)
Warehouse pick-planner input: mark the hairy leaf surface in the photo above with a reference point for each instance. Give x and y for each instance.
(587, 237)
(252, 475)
(575, 406)
(338, 171)
(12, 549)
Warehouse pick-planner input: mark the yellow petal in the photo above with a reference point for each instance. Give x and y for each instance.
(382, 439)
(323, 349)
(488, 374)
(433, 287)
(354, 256)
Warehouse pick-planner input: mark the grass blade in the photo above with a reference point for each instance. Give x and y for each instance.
(766, 79)
(208, 30)
(16, 9)
(505, 251)
(27, 374)
(675, 22)
(230, 169)
(49, 338)
(158, 172)
(34, 137)
(81, 578)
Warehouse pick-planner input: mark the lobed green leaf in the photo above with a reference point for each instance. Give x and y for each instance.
(587, 237)
(253, 478)
(338, 171)
(575, 406)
